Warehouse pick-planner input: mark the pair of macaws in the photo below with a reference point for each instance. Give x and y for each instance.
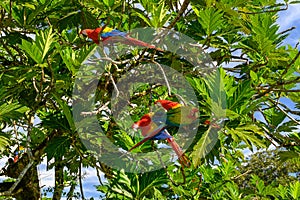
(153, 128)
(110, 35)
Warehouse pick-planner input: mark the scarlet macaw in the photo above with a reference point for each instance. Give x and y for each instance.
(151, 131)
(114, 35)
(17, 153)
(178, 114)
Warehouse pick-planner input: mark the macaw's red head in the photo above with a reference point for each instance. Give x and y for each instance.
(167, 104)
(143, 122)
(92, 33)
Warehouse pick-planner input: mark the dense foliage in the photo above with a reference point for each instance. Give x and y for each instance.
(41, 52)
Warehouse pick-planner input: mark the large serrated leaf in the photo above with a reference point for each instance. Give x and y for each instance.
(4, 142)
(66, 111)
(36, 11)
(32, 50)
(204, 145)
(251, 134)
(12, 111)
(288, 155)
(37, 50)
(45, 41)
(57, 147)
(210, 19)
(295, 190)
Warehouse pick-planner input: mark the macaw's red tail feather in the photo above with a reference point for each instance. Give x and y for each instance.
(184, 161)
(16, 158)
(139, 143)
(130, 41)
(181, 156)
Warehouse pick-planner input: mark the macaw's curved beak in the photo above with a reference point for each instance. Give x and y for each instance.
(135, 127)
(83, 32)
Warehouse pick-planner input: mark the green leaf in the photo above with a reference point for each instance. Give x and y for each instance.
(37, 50)
(274, 117)
(210, 19)
(146, 19)
(36, 11)
(295, 190)
(288, 155)
(4, 142)
(32, 50)
(251, 134)
(67, 112)
(109, 3)
(57, 147)
(45, 41)
(253, 75)
(12, 111)
(240, 100)
(204, 145)
(157, 10)
(74, 59)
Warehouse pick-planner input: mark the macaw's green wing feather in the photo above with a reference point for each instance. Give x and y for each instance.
(182, 116)
(174, 117)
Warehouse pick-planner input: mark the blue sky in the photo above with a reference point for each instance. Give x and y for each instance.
(287, 19)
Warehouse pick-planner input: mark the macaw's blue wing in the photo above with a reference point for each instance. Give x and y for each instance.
(112, 34)
(158, 131)
(162, 135)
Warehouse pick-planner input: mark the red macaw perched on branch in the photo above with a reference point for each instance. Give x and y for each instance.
(178, 114)
(110, 35)
(151, 131)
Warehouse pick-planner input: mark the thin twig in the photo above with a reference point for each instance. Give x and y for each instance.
(98, 175)
(276, 89)
(287, 30)
(287, 114)
(114, 61)
(291, 63)
(80, 180)
(243, 174)
(115, 85)
(165, 77)
(34, 85)
(199, 184)
(96, 111)
(289, 110)
(168, 84)
(184, 6)
(28, 141)
(278, 83)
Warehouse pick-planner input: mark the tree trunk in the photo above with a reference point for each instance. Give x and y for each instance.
(59, 181)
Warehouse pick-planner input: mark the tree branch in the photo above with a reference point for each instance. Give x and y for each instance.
(20, 177)
(184, 6)
(282, 110)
